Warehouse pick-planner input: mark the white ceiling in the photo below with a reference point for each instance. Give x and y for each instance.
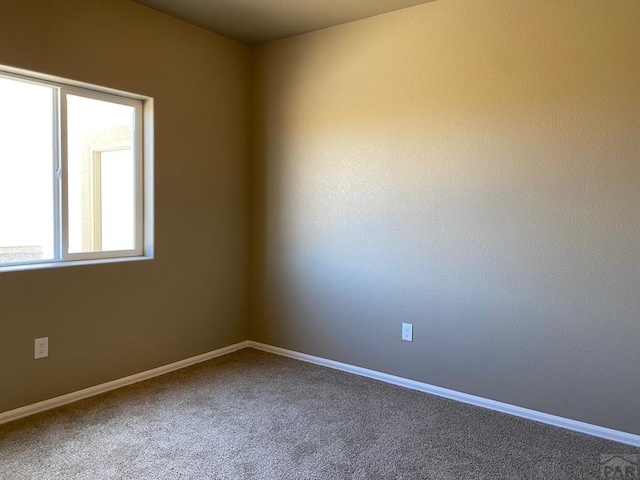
(258, 21)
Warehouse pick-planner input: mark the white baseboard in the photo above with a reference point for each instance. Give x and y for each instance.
(121, 382)
(566, 423)
(582, 427)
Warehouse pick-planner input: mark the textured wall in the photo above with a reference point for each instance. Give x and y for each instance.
(472, 168)
(109, 321)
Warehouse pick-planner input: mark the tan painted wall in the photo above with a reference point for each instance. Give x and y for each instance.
(109, 321)
(472, 168)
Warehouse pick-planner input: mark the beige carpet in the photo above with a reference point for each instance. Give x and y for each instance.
(254, 415)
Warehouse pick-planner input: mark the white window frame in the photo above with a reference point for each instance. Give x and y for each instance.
(142, 150)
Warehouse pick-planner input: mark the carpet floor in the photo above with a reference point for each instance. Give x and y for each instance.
(253, 415)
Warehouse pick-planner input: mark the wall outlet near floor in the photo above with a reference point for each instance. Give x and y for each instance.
(42, 347)
(407, 332)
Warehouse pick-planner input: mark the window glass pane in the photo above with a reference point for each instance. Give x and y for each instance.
(101, 175)
(117, 202)
(26, 172)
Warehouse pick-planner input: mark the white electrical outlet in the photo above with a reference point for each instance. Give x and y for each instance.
(42, 347)
(407, 332)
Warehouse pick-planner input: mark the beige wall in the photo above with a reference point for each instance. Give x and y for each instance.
(472, 168)
(109, 321)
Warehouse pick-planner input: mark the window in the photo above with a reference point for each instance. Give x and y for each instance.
(72, 183)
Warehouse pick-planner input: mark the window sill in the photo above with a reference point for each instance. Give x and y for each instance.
(71, 263)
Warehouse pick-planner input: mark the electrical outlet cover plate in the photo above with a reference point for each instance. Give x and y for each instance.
(41, 347)
(407, 332)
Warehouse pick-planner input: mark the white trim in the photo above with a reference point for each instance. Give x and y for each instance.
(147, 147)
(556, 421)
(55, 81)
(121, 382)
(137, 151)
(63, 206)
(15, 267)
(57, 173)
(141, 147)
